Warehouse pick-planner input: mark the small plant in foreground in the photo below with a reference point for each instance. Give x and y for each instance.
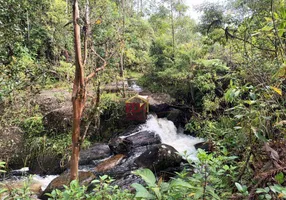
(102, 190)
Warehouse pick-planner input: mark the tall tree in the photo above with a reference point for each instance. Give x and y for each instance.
(79, 86)
(122, 46)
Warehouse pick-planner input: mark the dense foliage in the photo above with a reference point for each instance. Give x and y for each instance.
(228, 69)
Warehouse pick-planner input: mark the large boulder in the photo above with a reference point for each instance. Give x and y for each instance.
(126, 182)
(58, 121)
(176, 116)
(49, 100)
(159, 102)
(84, 177)
(128, 163)
(95, 152)
(159, 157)
(159, 99)
(11, 146)
(125, 144)
(56, 107)
(206, 146)
(47, 163)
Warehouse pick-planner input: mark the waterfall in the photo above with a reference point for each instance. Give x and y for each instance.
(44, 181)
(133, 86)
(170, 135)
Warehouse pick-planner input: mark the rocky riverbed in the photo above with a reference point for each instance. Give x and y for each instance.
(157, 144)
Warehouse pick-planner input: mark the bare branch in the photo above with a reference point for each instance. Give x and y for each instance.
(228, 34)
(97, 69)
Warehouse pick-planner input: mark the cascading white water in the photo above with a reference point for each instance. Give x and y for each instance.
(133, 86)
(170, 135)
(36, 183)
(44, 181)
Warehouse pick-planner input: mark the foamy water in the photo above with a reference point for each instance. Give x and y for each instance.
(169, 134)
(44, 181)
(135, 87)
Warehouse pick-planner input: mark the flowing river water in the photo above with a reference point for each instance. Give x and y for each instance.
(172, 136)
(166, 130)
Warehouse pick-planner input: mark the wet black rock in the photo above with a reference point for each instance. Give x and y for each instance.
(47, 164)
(159, 157)
(128, 163)
(95, 152)
(126, 182)
(206, 146)
(176, 116)
(125, 144)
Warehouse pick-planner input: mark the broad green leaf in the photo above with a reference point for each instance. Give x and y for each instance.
(275, 188)
(262, 190)
(199, 193)
(280, 177)
(157, 192)
(103, 177)
(164, 186)
(268, 196)
(239, 187)
(147, 175)
(141, 191)
(212, 192)
(181, 183)
(267, 28)
(280, 32)
(225, 167)
(258, 135)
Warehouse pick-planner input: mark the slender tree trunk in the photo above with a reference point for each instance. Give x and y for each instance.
(78, 95)
(67, 6)
(79, 86)
(87, 31)
(28, 27)
(122, 47)
(277, 41)
(173, 31)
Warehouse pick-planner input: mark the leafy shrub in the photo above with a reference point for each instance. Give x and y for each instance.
(212, 179)
(103, 190)
(111, 108)
(65, 71)
(33, 126)
(22, 193)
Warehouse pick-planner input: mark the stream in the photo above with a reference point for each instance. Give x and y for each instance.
(172, 136)
(169, 134)
(162, 127)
